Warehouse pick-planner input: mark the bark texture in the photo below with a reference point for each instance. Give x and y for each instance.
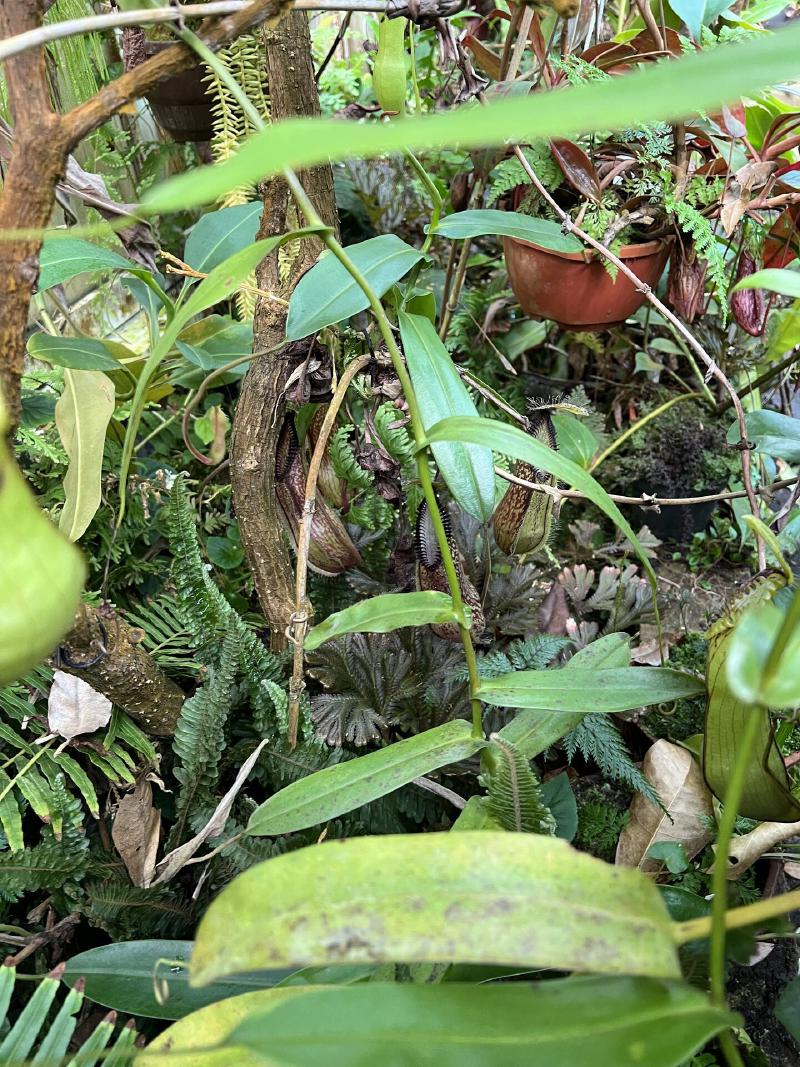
(43, 140)
(121, 669)
(293, 93)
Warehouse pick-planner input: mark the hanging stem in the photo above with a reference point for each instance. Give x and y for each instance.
(300, 618)
(418, 433)
(712, 368)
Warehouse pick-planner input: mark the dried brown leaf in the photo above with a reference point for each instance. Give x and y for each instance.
(745, 850)
(678, 780)
(179, 857)
(136, 831)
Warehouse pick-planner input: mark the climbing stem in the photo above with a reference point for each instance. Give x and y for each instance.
(307, 208)
(719, 879)
(418, 433)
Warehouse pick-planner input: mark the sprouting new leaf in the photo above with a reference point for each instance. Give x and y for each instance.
(468, 470)
(382, 614)
(327, 294)
(83, 413)
(626, 1022)
(346, 786)
(480, 897)
(618, 689)
(665, 91)
(542, 232)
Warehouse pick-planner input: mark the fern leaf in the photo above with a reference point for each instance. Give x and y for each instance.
(515, 799)
(597, 738)
(200, 732)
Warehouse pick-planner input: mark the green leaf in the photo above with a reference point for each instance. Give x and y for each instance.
(748, 653)
(10, 815)
(575, 440)
(221, 282)
(664, 91)
(772, 432)
(787, 1008)
(41, 575)
(483, 897)
(784, 282)
(671, 853)
(766, 795)
(533, 731)
(193, 1041)
(219, 234)
(63, 258)
(78, 353)
(83, 413)
(699, 13)
(542, 232)
(618, 689)
(214, 340)
(346, 786)
(327, 294)
(784, 331)
(382, 614)
(125, 975)
(224, 553)
(468, 470)
(626, 1022)
(558, 796)
(513, 442)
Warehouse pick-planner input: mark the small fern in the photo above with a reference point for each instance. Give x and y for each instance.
(200, 732)
(515, 799)
(695, 225)
(208, 616)
(344, 462)
(531, 654)
(510, 173)
(597, 738)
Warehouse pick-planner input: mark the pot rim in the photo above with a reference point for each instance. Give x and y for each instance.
(642, 250)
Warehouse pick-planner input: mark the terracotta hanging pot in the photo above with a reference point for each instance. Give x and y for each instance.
(180, 104)
(574, 289)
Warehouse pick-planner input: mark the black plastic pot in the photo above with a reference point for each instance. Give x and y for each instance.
(677, 524)
(180, 104)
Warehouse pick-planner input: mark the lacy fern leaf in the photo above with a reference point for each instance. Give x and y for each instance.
(597, 738)
(515, 799)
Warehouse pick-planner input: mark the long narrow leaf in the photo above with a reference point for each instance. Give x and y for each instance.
(468, 470)
(347, 786)
(513, 442)
(670, 90)
(617, 689)
(382, 614)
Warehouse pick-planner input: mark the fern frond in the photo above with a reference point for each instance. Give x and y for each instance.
(597, 738)
(200, 732)
(515, 799)
(344, 462)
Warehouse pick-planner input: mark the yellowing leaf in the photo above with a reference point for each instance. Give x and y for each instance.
(82, 416)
